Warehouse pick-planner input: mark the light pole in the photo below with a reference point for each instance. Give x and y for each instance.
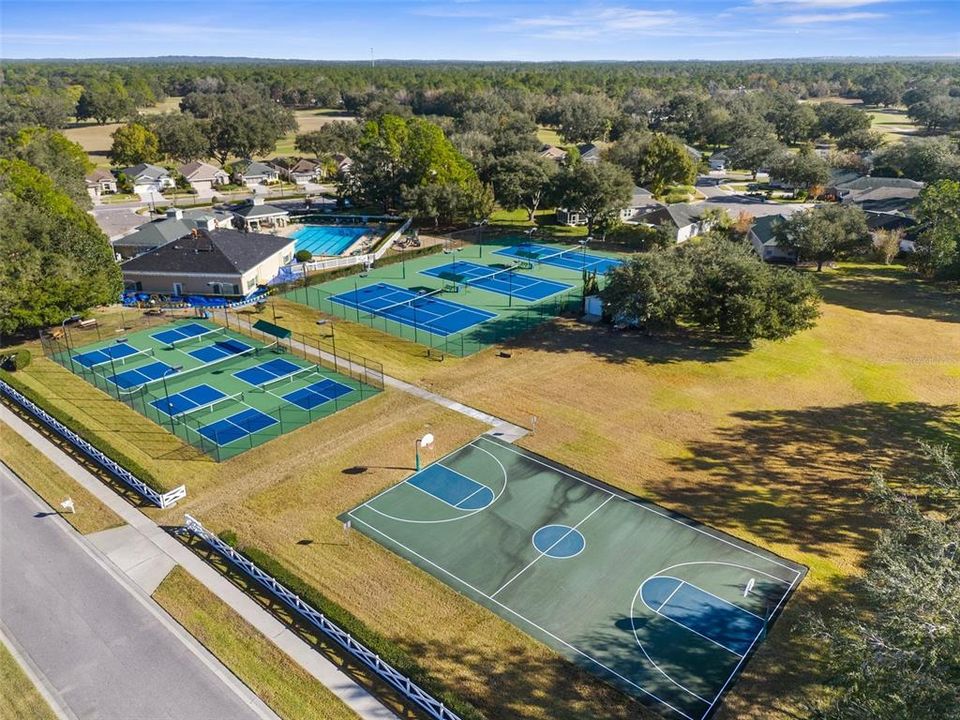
(425, 441)
(479, 226)
(333, 335)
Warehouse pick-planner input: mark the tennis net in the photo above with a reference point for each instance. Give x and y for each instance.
(495, 275)
(113, 362)
(144, 387)
(193, 339)
(385, 311)
(211, 407)
(287, 379)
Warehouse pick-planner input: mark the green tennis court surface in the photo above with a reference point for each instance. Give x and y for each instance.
(219, 390)
(666, 609)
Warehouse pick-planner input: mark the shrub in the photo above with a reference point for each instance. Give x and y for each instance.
(229, 537)
(303, 256)
(21, 359)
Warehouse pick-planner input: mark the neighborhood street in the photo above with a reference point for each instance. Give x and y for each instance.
(102, 649)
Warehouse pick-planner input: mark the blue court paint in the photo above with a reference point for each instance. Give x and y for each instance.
(575, 259)
(515, 284)
(559, 541)
(317, 394)
(177, 404)
(202, 394)
(252, 420)
(188, 399)
(254, 376)
(181, 332)
(223, 432)
(105, 355)
(430, 313)
(279, 367)
(220, 349)
(155, 370)
(727, 625)
(141, 375)
(451, 487)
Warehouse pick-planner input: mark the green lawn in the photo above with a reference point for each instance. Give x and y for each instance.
(287, 688)
(19, 699)
(550, 136)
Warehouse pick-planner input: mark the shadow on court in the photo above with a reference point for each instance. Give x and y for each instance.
(568, 335)
(799, 476)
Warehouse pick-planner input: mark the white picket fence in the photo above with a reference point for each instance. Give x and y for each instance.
(433, 707)
(163, 500)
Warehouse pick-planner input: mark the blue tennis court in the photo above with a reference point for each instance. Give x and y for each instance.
(237, 426)
(183, 332)
(268, 371)
(728, 626)
(423, 311)
(453, 488)
(141, 375)
(316, 394)
(503, 282)
(190, 399)
(106, 354)
(219, 350)
(327, 239)
(569, 258)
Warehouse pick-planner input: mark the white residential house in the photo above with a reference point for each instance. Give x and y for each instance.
(303, 171)
(718, 161)
(147, 178)
(641, 202)
(100, 182)
(762, 236)
(589, 153)
(203, 177)
(683, 219)
(252, 173)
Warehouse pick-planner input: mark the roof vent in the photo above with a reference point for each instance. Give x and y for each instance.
(258, 201)
(175, 213)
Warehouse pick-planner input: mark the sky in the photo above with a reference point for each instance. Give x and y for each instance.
(480, 29)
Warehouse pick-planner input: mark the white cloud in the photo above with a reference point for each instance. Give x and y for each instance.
(596, 22)
(817, 4)
(829, 18)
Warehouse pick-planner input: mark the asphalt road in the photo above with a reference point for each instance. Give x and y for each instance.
(102, 648)
(735, 203)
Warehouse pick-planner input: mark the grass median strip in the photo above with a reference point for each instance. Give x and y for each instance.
(53, 484)
(19, 699)
(287, 688)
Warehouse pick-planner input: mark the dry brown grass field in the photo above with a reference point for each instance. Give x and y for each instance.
(773, 444)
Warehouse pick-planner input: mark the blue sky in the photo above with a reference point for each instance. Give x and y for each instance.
(480, 29)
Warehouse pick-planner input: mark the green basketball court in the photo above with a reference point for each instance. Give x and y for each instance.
(666, 609)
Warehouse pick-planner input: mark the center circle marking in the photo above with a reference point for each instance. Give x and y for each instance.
(559, 541)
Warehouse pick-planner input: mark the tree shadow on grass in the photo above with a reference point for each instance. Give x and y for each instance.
(566, 335)
(798, 477)
(889, 291)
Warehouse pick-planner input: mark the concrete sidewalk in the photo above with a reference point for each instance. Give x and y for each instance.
(144, 546)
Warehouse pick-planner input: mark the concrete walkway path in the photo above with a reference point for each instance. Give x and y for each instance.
(100, 646)
(503, 429)
(145, 543)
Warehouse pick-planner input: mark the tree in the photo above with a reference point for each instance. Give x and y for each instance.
(523, 181)
(134, 144)
(927, 159)
(715, 285)
(60, 159)
(240, 121)
(795, 122)
(753, 152)
(56, 261)
(882, 88)
(860, 140)
(46, 108)
(180, 136)
(938, 244)
(801, 171)
(333, 137)
(828, 232)
(585, 118)
(896, 653)
(103, 101)
(597, 190)
(655, 161)
(837, 120)
(887, 243)
(939, 113)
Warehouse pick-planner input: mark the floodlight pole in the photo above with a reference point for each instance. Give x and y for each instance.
(403, 261)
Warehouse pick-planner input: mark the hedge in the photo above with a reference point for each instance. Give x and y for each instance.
(387, 649)
(77, 426)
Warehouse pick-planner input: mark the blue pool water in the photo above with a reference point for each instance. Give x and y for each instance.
(327, 239)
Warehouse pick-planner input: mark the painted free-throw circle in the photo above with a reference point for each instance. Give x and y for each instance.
(559, 541)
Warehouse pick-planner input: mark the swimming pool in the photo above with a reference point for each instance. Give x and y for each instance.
(327, 239)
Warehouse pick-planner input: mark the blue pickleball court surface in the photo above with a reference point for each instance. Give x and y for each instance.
(189, 399)
(268, 371)
(569, 258)
(182, 332)
(106, 354)
(453, 488)
(510, 283)
(327, 239)
(730, 626)
(317, 394)
(425, 312)
(219, 350)
(237, 426)
(140, 375)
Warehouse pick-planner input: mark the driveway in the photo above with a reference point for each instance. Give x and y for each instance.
(719, 196)
(102, 648)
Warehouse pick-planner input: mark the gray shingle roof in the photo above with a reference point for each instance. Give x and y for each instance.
(256, 211)
(764, 228)
(874, 183)
(220, 252)
(160, 232)
(679, 215)
(197, 170)
(254, 169)
(145, 171)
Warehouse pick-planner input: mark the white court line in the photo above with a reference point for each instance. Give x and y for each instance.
(478, 490)
(677, 588)
(636, 503)
(544, 552)
(524, 619)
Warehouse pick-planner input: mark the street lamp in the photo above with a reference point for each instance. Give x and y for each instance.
(479, 226)
(425, 441)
